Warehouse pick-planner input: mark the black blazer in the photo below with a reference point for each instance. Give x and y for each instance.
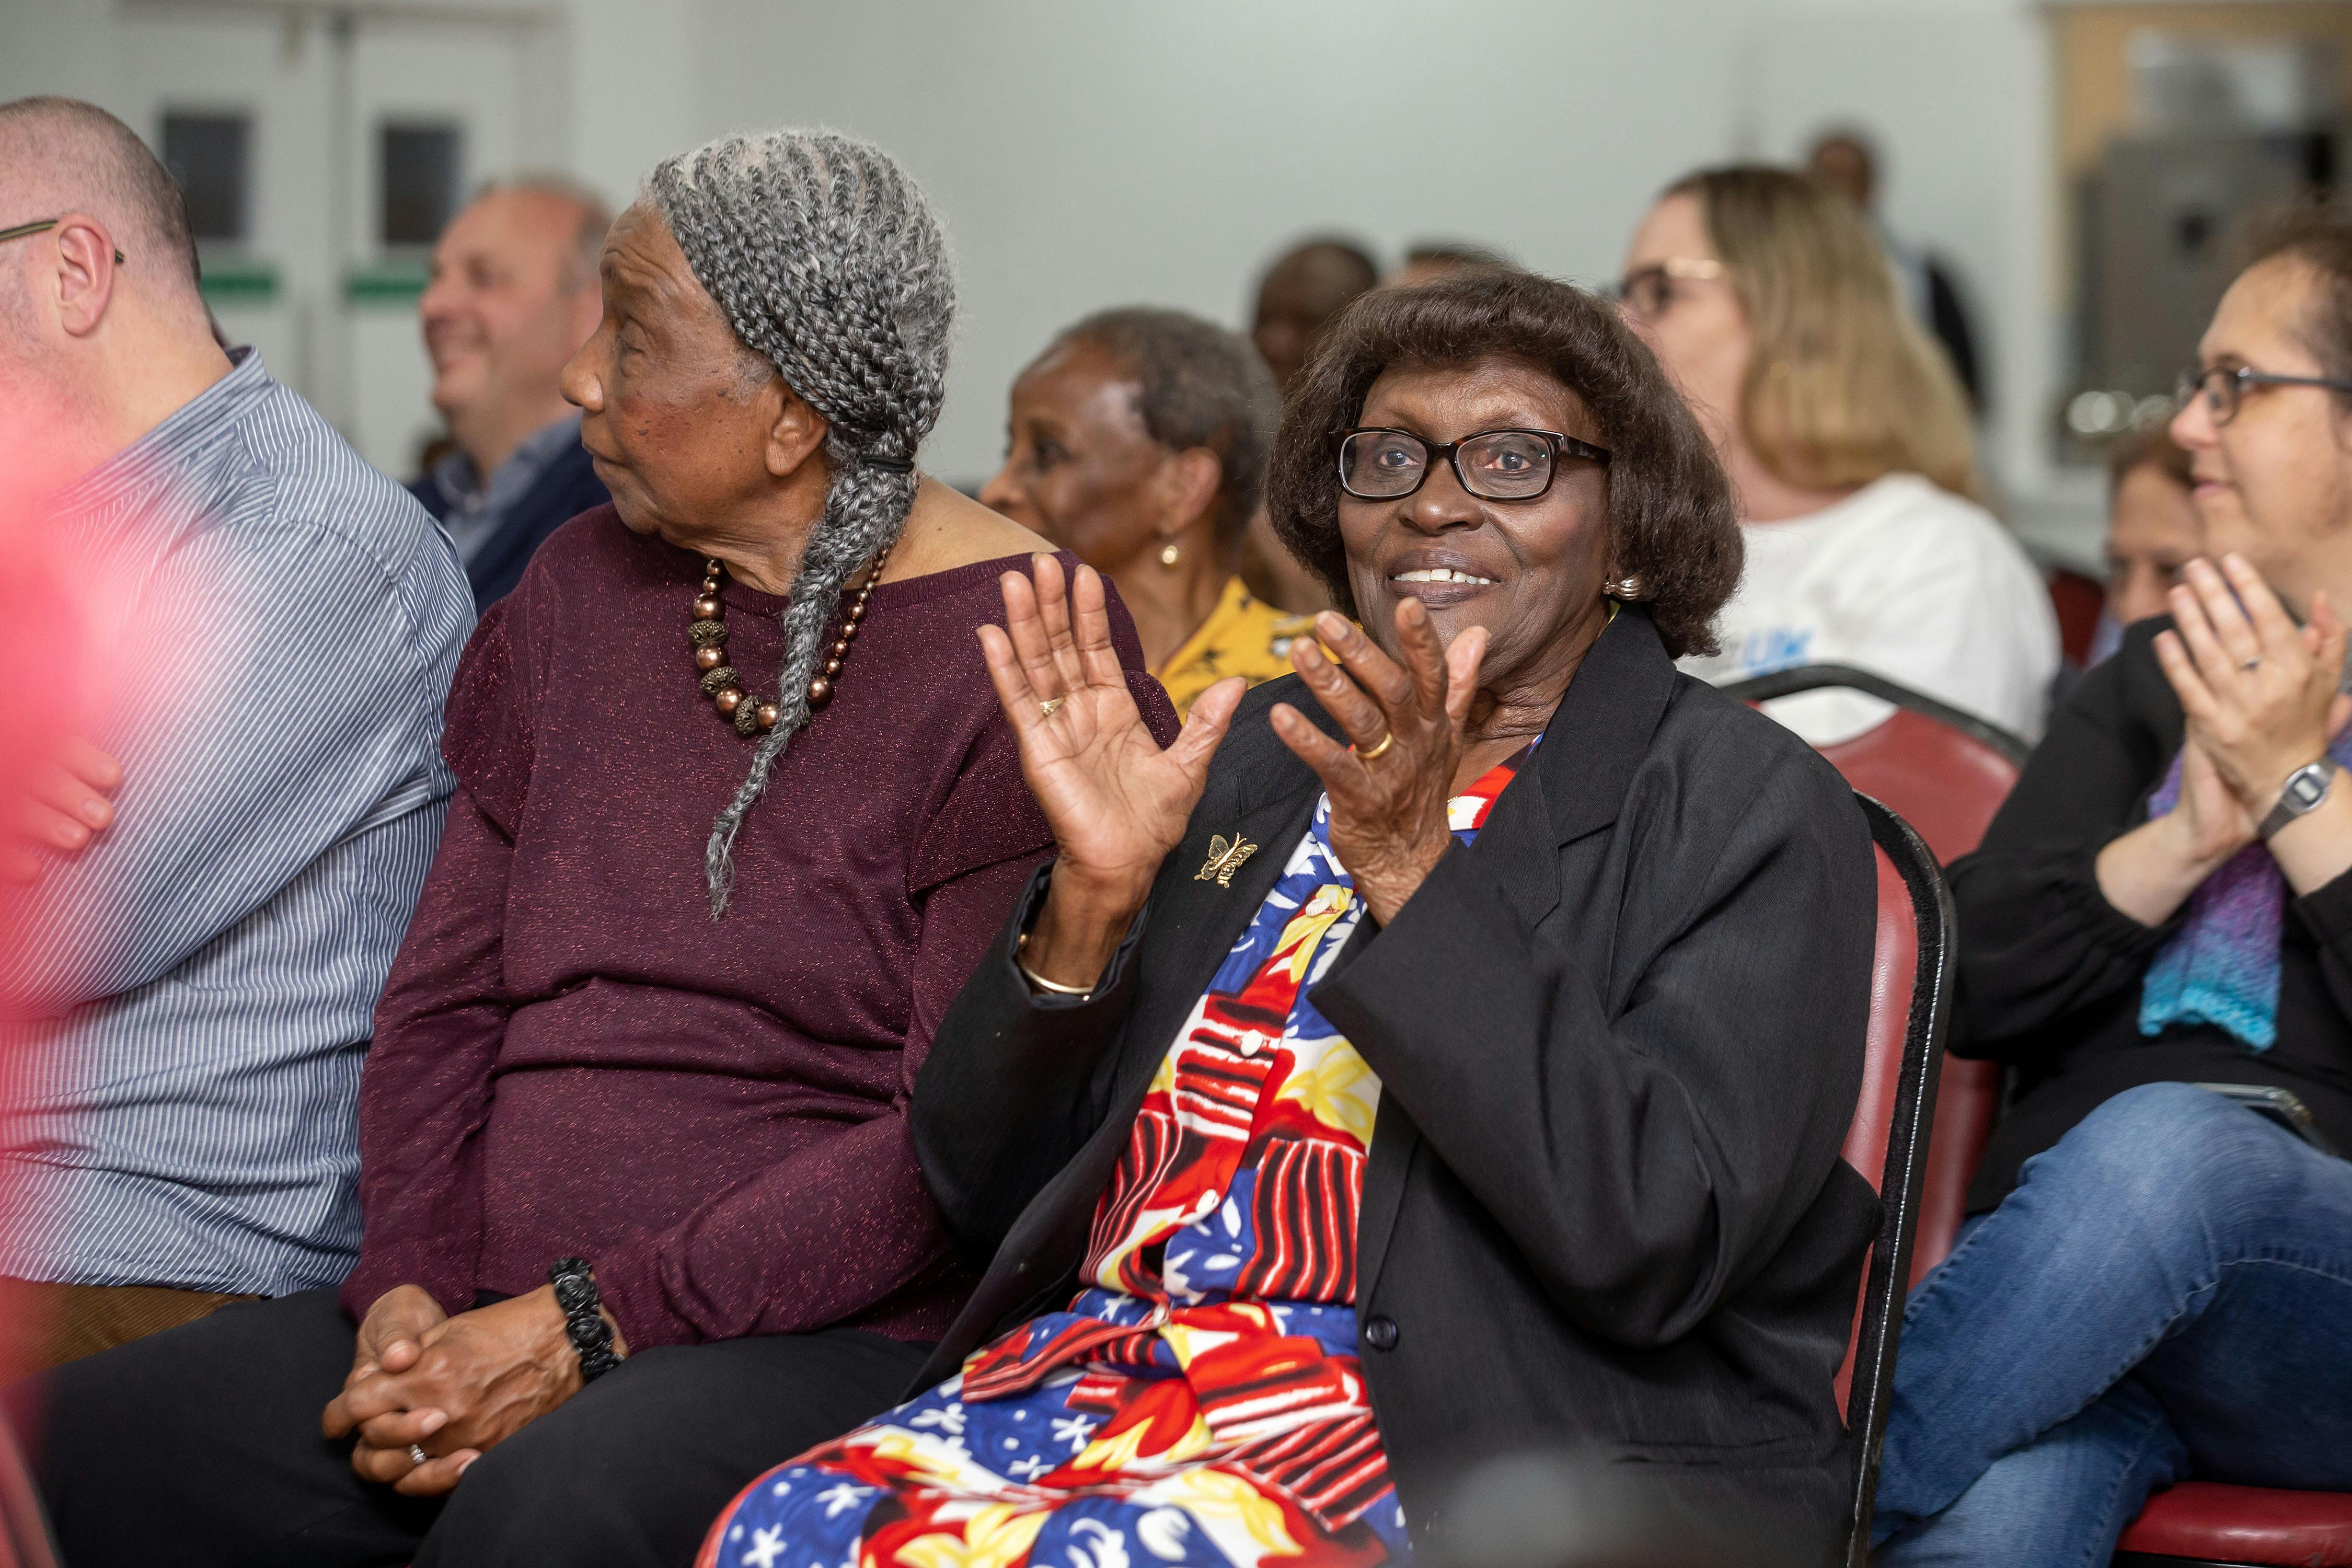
(1619, 1039)
(565, 488)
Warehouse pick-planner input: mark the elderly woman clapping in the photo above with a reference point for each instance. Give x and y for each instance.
(1437, 1052)
(642, 1205)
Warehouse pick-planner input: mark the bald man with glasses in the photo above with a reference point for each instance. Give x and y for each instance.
(204, 887)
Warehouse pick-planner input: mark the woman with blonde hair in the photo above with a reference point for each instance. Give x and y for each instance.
(1847, 439)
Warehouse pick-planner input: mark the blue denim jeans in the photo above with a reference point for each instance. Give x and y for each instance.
(2166, 1294)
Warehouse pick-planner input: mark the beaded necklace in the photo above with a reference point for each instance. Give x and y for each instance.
(723, 683)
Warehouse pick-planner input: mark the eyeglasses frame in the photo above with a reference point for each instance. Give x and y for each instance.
(24, 230)
(1684, 268)
(1450, 453)
(2193, 384)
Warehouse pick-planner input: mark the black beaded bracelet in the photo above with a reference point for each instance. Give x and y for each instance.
(591, 1335)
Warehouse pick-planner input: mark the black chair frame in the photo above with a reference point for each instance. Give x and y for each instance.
(1872, 1385)
(1823, 676)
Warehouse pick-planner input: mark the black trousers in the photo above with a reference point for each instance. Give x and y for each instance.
(200, 1446)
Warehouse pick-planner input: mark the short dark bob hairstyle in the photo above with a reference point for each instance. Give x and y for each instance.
(1675, 529)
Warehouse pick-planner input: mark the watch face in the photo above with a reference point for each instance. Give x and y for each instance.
(2307, 786)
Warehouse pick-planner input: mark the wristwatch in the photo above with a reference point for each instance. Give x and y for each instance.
(2306, 788)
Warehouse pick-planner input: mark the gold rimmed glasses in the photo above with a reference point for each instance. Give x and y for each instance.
(1648, 292)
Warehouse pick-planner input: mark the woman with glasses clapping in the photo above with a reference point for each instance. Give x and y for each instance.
(1438, 1052)
(2155, 1283)
(1847, 439)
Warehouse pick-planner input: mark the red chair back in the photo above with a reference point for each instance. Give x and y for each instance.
(1947, 783)
(2078, 600)
(1910, 1009)
(1946, 773)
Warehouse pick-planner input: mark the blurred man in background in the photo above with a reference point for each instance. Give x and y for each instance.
(1306, 286)
(268, 631)
(514, 294)
(1845, 162)
(1432, 259)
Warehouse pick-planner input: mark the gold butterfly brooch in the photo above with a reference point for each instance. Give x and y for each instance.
(1225, 857)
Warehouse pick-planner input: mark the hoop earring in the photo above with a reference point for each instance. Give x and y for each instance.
(1167, 554)
(1625, 589)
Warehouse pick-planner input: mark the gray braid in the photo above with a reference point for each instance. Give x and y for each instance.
(828, 264)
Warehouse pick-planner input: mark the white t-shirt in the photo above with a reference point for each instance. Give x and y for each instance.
(1903, 580)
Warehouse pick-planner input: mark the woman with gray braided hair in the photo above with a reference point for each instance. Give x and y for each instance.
(737, 813)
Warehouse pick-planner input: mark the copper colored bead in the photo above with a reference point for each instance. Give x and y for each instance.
(841, 650)
(726, 701)
(710, 658)
(833, 667)
(715, 681)
(820, 692)
(767, 715)
(849, 632)
(707, 607)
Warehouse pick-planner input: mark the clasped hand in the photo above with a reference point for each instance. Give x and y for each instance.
(1118, 802)
(2259, 695)
(63, 805)
(453, 1386)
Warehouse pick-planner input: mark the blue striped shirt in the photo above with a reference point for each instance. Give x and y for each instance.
(181, 1109)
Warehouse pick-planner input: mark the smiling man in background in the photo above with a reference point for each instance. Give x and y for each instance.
(513, 296)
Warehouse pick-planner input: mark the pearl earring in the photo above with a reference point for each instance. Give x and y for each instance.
(1168, 553)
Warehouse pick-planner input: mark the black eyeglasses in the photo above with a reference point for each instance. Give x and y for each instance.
(1378, 464)
(23, 229)
(2224, 388)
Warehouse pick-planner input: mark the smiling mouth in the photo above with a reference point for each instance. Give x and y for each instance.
(1441, 575)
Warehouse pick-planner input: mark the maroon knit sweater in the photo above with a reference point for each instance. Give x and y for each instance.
(572, 1058)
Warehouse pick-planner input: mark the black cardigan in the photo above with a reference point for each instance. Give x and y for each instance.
(1619, 1039)
(2049, 971)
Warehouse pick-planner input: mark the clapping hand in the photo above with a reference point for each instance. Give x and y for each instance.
(2259, 694)
(1390, 787)
(1116, 801)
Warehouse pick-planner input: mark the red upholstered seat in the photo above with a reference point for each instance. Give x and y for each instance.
(2204, 1522)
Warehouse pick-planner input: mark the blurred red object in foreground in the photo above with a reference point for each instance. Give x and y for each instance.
(39, 633)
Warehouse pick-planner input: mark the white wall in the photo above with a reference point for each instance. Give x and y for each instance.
(1089, 152)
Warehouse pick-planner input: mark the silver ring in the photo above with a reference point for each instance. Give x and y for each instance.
(1046, 709)
(417, 1455)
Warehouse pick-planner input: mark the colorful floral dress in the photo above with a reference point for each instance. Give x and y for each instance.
(1199, 1403)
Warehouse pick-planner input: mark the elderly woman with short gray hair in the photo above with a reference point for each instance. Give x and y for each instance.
(737, 814)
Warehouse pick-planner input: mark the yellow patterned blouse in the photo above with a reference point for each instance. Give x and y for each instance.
(1243, 636)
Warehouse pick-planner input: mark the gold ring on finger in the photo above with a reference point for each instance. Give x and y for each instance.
(1380, 751)
(1046, 709)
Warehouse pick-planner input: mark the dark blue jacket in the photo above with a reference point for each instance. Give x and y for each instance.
(568, 487)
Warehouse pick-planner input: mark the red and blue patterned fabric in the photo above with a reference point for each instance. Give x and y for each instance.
(1199, 1403)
